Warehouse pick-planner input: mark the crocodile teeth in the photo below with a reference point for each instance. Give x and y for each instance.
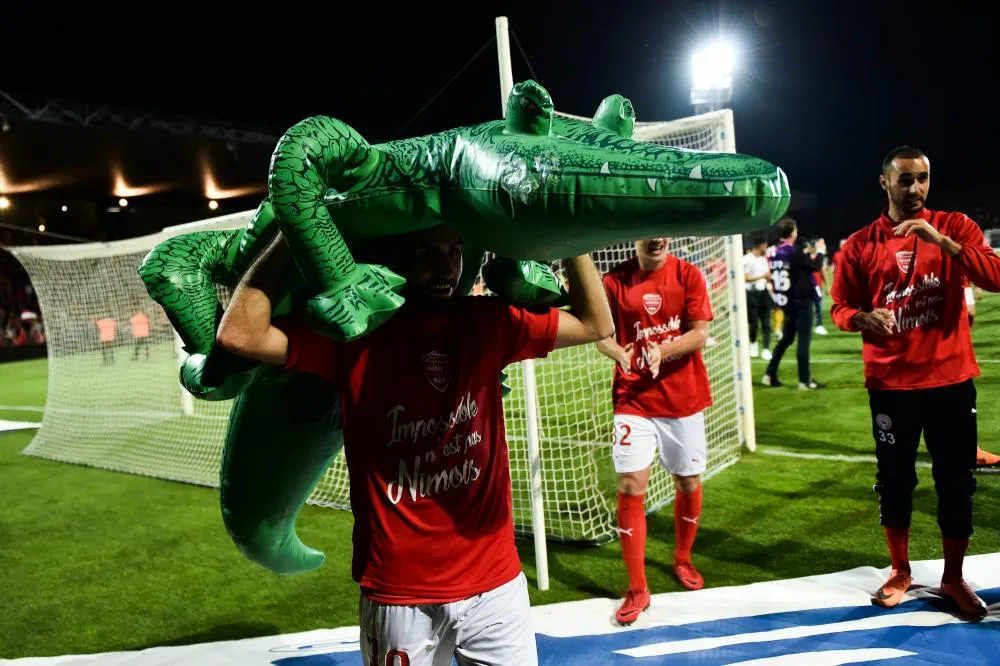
(695, 172)
(729, 186)
(605, 169)
(652, 183)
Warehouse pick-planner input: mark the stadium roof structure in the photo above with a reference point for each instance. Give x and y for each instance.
(108, 117)
(59, 148)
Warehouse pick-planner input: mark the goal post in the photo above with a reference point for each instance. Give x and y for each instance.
(535, 488)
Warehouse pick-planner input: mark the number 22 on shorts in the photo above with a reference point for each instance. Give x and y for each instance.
(624, 432)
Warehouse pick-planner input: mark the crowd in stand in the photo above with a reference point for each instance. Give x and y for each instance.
(20, 317)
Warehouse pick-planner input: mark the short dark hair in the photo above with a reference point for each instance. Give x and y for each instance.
(785, 227)
(906, 152)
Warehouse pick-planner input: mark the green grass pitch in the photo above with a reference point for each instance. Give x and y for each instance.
(94, 561)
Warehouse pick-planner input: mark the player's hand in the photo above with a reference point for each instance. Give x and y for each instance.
(920, 228)
(653, 358)
(878, 321)
(821, 245)
(625, 358)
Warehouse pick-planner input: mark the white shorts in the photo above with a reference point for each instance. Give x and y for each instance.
(680, 442)
(490, 629)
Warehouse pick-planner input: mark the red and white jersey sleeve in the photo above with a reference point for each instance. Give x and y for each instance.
(655, 307)
(308, 351)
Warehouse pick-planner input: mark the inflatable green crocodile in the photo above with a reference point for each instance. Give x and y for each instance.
(532, 188)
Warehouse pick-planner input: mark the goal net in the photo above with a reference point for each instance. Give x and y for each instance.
(116, 403)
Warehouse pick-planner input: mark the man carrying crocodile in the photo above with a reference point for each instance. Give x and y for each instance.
(423, 426)
(530, 187)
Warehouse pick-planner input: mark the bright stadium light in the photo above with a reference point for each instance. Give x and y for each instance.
(123, 202)
(712, 68)
(4, 203)
(65, 208)
(213, 204)
(41, 227)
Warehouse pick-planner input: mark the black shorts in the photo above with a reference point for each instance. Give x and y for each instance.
(946, 417)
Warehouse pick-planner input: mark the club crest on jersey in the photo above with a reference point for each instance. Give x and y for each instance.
(437, 369)
(652, 303)
(883, 422)
(904, 259)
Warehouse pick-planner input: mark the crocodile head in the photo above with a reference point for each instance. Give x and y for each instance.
(562, 186)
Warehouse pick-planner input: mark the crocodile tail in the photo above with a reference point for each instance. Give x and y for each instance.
(263, 486)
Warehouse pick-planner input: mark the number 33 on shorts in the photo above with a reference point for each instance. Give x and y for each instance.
(884, 432)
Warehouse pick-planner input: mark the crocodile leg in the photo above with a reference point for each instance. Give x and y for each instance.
(318, 154)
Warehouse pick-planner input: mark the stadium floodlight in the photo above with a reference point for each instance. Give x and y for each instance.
(41, 227)
(213, 204)
(65, 208)
(123, 202)
(712, 68)
(4, 203)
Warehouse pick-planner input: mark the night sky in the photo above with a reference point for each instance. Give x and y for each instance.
(824, 90)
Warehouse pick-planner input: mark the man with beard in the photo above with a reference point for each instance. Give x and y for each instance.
(900, 283)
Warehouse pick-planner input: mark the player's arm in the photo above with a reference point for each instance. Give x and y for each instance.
(810, 263)
(693, 340)
(698, 312)
(747, 266)
(246, 328)
(979, 262)
(589, 317)
(620, 355)
(850, 296)
(609, 346)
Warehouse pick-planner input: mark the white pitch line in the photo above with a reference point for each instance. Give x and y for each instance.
(852, 361)
(98, 412)
(784, 453)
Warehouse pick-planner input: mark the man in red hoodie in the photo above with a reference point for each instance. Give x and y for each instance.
(899, 282)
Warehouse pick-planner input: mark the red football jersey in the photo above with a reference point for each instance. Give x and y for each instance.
(655, 307)
(923, 287)
(425, 444)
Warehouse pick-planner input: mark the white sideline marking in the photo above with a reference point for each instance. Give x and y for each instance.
(852, 361)
(104, 412)
(10, 426)
(826, 456)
